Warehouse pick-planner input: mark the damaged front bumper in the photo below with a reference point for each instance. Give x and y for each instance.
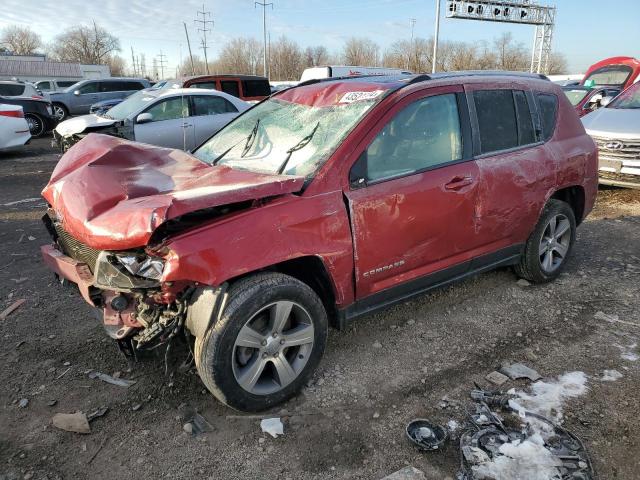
(144, 312)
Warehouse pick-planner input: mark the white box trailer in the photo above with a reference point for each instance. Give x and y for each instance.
(331, 71)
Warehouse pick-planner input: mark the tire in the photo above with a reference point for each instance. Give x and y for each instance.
(60, 112)
(225, 361)
(549, 246)
(36, 124)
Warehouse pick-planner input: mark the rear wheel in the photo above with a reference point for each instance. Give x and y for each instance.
(60, 112)
(548, 248)
(267, 343)
(36, 124)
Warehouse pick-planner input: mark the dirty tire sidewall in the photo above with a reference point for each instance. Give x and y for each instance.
(214, 351)
(529, 267)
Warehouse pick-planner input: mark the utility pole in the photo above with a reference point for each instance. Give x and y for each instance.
(161, 63)
(264, 6)
(133, 60)
(203, 23)
(193, 71)
(412, 22)
(435, 38)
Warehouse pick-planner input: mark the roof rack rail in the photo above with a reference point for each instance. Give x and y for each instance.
(421, 77)
(344, 77)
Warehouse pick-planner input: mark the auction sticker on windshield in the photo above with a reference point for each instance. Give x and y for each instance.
(351, 97)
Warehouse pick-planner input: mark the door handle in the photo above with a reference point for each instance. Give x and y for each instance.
(185, 125)
(456, 183)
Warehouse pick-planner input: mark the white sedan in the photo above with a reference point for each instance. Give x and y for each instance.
(14, 129)
(181, 118)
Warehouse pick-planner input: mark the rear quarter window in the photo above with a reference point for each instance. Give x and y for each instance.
(11, 89)
(548, 105)
(256, 88)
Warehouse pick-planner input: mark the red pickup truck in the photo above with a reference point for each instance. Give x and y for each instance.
(323, 203)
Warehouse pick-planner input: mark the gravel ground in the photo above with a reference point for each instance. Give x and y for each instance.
(349, 422)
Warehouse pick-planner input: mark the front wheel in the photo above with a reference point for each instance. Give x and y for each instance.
(548, 248)
(267, 343)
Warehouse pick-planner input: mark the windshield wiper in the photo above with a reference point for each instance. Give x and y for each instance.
(250, 139)
(298, 146)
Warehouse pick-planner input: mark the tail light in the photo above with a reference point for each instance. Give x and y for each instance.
(12, 113)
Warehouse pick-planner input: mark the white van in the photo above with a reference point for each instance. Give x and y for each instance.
(332, 71)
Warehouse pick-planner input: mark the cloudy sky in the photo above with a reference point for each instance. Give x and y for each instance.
(586, 30)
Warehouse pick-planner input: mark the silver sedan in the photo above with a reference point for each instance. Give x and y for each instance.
(175, 118)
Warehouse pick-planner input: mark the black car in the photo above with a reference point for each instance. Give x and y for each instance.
(37, 112)
(102, 107)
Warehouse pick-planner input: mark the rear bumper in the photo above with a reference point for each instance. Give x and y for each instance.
(69, 269)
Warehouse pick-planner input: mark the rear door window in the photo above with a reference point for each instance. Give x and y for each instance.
(11, 89)
(211, 105)
(231, 87)
(495, 110)
(424, 135)
(548, 104)
(256, 88)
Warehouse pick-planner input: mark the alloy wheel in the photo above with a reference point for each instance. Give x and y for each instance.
(36, 127)
(555, 243)
(273, 347)
(59, 112)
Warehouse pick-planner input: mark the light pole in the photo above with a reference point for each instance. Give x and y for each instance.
(264, 6)
(435, 38)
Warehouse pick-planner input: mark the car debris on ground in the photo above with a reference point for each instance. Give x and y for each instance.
(522, 443)
(426, 435)
(517, 370)
(272, 426)
(120, 382)
(72, 422)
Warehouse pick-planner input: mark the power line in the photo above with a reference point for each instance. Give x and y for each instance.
(203, 28)
(264, 6)
(162, 63)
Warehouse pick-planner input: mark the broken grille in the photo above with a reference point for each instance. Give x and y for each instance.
(614, 149)
(76, 249)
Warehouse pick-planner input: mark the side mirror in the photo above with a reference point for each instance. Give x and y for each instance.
(605, 101)
(144, 118)
(76, 92)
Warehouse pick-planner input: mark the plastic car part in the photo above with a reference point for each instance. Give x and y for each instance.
(487, 432)
(426, 435)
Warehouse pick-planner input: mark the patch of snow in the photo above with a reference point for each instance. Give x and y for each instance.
(628, 352)
(547, 398)
(18, 202)
(452, 425)
(521, 460)
(610, 376)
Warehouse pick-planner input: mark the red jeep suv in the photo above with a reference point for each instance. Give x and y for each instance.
(325, 202)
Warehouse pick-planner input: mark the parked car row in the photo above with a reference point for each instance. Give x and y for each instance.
(323, 203)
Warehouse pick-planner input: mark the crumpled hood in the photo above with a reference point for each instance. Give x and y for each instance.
(112, 194)
(617, 123)
(80, 124)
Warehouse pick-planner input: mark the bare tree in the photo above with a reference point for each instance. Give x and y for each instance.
(116, 65)
(316, 56)
(20, 40)
(414, 56)
(82, 44)
(360, 51)
(557, 64)
(286, 60)
(240, 55)
(510, 55)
